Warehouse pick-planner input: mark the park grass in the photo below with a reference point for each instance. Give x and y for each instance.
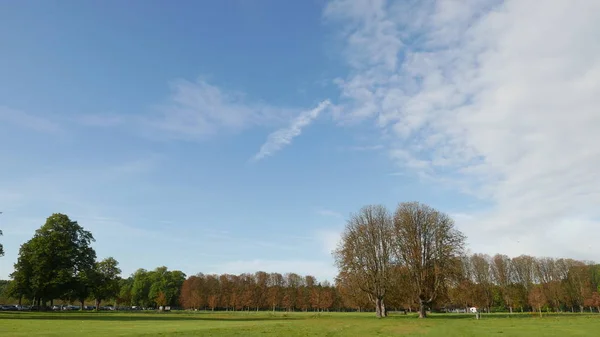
(291, 324)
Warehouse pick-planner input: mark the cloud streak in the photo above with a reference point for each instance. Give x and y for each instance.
(25, 120)
(283, 137)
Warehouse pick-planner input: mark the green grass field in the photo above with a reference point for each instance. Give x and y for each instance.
(294, 324)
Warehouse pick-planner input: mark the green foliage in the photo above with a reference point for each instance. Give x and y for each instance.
(1, 247)
(148, 285)
(140, 288)
(105, 282)
(56, 262)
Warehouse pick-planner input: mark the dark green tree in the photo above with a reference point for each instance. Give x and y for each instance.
(140, 288)
(165, 282)
(105, 280)
(125, 290)
(1, 247)
(55, 263)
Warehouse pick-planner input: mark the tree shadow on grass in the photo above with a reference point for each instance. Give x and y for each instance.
(117, 317)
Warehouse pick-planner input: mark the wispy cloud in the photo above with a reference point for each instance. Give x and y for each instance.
(282, 137)
(367, 148)
(26, 120)
(195, 110)
(198, 109)
(100, 120)
(329, 239)
(330, 213)
(492, 96)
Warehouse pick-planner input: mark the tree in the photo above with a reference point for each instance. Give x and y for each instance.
(502, 275)
(523, 268)
(105, 280)
(161, 300)
(364, 253)
(140, 288)
(1, 247)
(429, 246)
(125, 288)
(537, 298)
(483, 279)
(55, 261)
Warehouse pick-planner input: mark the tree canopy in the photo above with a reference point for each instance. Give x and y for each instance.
(56, 261)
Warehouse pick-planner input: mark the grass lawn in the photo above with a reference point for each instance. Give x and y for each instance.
(294, 324)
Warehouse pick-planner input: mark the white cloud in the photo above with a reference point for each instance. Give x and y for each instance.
(282, 137)
(494, 97)
(199, 109)
(330, 213)
(25, 120)
(195, 110)
(329, 239)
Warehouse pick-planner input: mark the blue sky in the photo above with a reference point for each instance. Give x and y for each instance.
(237, 136)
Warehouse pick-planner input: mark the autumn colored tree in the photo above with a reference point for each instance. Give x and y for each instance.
(365, 253)
(429, 246)
(213, 300)
(483, 278)
(352, 296)
(537, 298)
(275, 290)
(161, 299)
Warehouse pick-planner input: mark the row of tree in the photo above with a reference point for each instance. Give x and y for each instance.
(258, 291)
(415, 257)
(526, 281)
(411, 259)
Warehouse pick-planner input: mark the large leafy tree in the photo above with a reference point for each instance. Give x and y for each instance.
(55, 262)
(105, 280)
(140, 288)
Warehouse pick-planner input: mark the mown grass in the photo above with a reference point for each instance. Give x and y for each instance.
(291, 324)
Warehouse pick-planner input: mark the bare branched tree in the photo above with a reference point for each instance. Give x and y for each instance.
(364, 253)
(429, 246)
(502, 275)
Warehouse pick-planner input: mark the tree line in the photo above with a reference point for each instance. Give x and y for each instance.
(415, 258)
(258, 291)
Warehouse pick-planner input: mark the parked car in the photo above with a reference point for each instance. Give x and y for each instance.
(9, 308)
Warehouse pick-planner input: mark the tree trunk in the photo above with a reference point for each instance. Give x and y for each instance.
(422, 310)
(98, 304)
(540, 311)
(82, 303)
(378, 308)
(581, 309)
(510, 309)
